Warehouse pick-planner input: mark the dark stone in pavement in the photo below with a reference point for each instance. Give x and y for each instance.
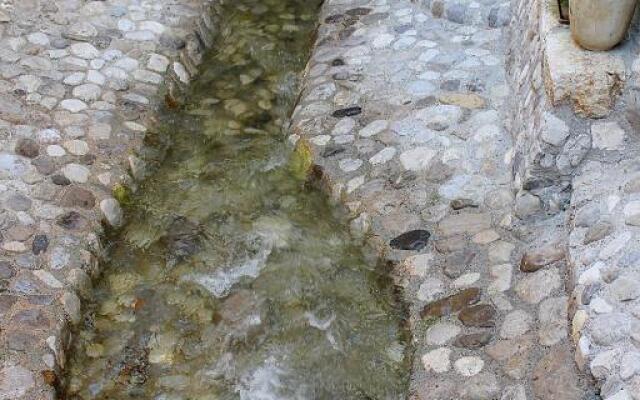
(537, 259)
(6, 271)
(450, 85)
(60, 180)
(482, 316)
(359, 11)
(72, 220)
(347, 112)
(27, 148)
(75, 196)
(411, 240)
(40, 244)
(44, 165)
(473, 340)
(332, 150)
(334, 19)
(459, 204)
(451, 304)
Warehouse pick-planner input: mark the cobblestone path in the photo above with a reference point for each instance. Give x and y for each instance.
(404, 113)
(79, 81)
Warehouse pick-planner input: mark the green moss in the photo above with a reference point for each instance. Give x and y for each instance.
(122, 194)
(301, 159)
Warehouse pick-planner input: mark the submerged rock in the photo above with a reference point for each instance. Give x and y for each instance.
(182, 240)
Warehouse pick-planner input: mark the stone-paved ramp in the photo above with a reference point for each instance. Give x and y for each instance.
(404, 113)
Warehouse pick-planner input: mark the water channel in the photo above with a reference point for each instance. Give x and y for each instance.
(233, 278)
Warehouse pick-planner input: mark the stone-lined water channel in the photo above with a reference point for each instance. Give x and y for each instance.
(233, 278)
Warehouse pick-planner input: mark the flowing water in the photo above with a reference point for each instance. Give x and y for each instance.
(234, 279)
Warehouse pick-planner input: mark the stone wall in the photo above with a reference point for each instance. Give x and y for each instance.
(524, 73)
(550, 142)
(80, 84)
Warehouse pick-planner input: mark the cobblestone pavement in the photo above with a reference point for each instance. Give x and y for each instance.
(404, 111)
(77, 82)
(604, 252)
(404, 114)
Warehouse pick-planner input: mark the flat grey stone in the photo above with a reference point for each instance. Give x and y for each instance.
(468, 223)
(515, 324)
(552, 317)
(598, 232)
(74, 79)
(111, 211)
(526, 205)
(515, 392)
(607, 136)
(140, 36)
(147, 76)
(18, 202)
(158, 63)
(629, 364)
(607, 329)
(88, 92)
(534, 287)
(73, 105)
(76, 173)
(603, 363)
(482, 386)
(632, 213)
(626, 287)
(437, 360)
(83, 31)
(555, 377)
(554, 130)
(10, 107)
(441, 333)
(15, 382)
(84, 50)
(96, 77)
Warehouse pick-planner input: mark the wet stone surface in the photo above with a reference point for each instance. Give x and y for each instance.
(232, 276)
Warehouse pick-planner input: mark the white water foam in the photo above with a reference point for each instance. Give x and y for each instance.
(263, 383)
(270, 233)
(220, 282)
(317, 323)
